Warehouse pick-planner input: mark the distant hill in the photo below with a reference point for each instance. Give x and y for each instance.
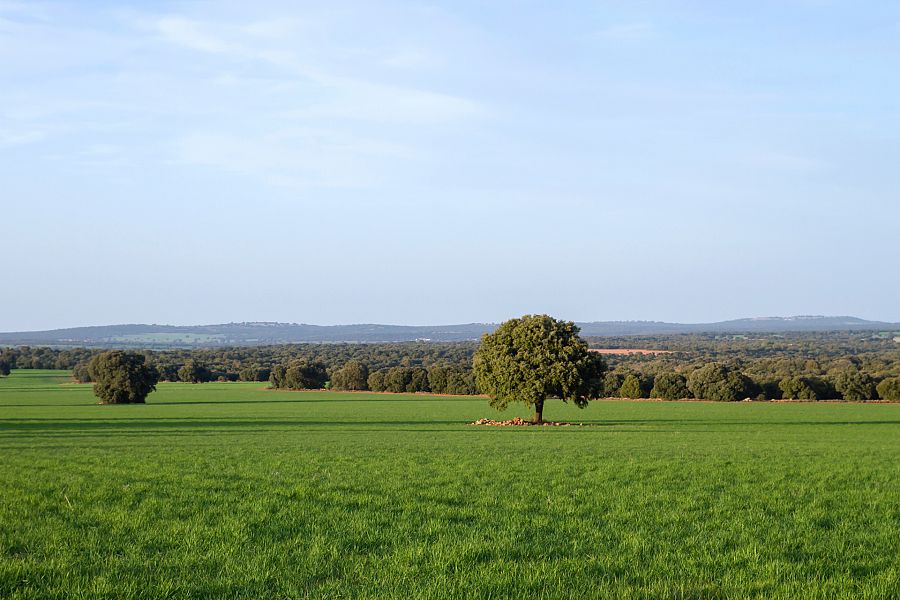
(262, 333)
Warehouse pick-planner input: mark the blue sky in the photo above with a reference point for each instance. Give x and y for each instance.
(342, 162)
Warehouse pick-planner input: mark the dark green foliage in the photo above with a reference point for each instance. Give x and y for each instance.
(451, 379)
(396, 379)
(82, 372)
(536, 357)
(376, 381)
(852, 384)
(299, 375)
(122, 377)
(769, 389)
(254, 373)
(5, 367)
(765, 359)
(805, 388)
(631, 387)
(418, 381)
(406, 379)
(612, 383)
(889, 389)
(670, 386)
(719, 382)
(354, 375)
(194, 372)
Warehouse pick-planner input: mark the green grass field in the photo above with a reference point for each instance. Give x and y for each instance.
(230, 490)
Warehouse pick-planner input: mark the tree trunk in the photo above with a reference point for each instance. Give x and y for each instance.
(538, 412)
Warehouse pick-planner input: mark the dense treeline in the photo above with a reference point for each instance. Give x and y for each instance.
(804, 366)
(442, 368)
(801, 366)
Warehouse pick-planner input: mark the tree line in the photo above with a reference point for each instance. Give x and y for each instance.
(803, 366)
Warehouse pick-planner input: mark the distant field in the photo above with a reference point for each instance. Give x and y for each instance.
(169, 338)
(230, 490)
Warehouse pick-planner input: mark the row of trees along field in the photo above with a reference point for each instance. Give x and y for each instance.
(809, 366)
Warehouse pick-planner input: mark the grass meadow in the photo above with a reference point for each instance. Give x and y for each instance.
(231, 490)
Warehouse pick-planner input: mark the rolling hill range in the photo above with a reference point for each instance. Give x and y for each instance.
(262, 333)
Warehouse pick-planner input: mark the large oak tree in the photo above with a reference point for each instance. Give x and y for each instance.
(122, 377)
(534, 358)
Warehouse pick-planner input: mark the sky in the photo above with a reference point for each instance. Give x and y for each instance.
(446, 162)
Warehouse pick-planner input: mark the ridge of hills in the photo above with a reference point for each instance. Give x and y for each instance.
(266, 333)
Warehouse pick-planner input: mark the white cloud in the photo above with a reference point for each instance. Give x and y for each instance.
(349, 97)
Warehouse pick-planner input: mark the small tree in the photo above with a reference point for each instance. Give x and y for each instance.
(299, 374)
(536, 357)
(122, 377)
(804, 388)
(254, 373)
(889, 389)
(612, 383)
(376, 381)
(670, 386)
(451, 379)
(631, 387)
(4, 367)
(852, 384)
(82, 372)
(194, 372)
(717, 381)
(352, 376)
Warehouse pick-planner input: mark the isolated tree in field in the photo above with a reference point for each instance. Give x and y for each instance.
(122, 377)
(670, 386)
(889, 389)
(720, 382)
(534, 358)
(354, 375)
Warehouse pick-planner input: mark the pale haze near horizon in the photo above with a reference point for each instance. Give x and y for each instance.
(422, 163)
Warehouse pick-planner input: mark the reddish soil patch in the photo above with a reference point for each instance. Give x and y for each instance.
(518, 422)
(627, 351)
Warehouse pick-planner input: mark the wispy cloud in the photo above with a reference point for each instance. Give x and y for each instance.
(346, 96)
(312, 98)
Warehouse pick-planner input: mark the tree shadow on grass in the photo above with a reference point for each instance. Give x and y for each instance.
(57, 424)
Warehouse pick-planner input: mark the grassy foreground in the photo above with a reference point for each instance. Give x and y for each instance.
(229, 490)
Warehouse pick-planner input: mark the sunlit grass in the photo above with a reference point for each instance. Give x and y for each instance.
(230, 490)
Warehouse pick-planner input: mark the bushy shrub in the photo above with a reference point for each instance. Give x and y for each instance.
(889, 389)
(670, 386)
(720, 382)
